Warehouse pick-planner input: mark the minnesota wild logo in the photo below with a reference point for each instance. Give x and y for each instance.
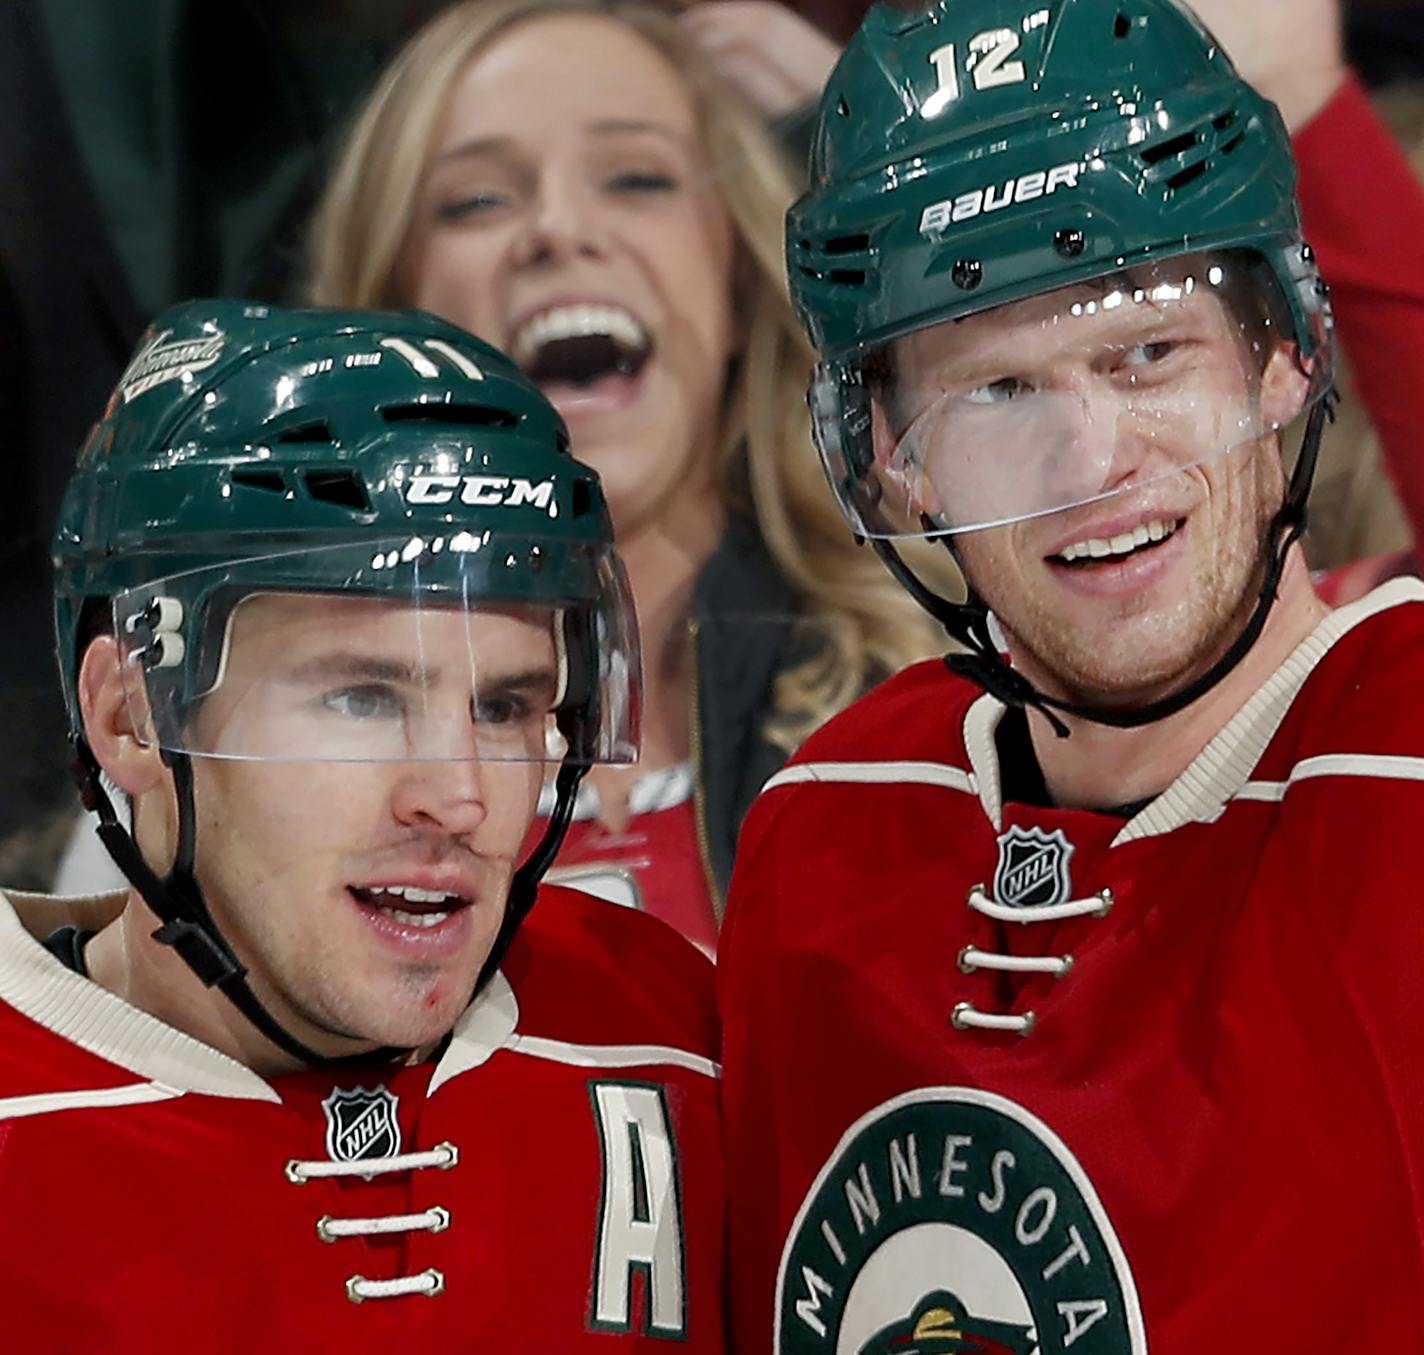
(950, 1221)
(942, 1323)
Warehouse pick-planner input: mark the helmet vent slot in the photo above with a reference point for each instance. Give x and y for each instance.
(1176, 145)
(582, 497)
(272, 481)
(452, 415)
(848, 277)
(345, 488)
(1233, 143)
(1225, 120)
(318, 432)
(1122, 26)
(847, 244)
(1183, 177)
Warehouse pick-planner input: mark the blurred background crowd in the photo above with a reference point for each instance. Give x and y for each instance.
(518, 166)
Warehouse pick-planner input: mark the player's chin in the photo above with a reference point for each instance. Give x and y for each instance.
(413, 1024)
(410, 1006)
(1131, 670)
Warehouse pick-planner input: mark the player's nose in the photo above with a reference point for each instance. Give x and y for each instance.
(446, 794)
(1093, 444)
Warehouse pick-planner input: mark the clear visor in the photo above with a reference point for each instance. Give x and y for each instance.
(1067, 398)
(387, 652)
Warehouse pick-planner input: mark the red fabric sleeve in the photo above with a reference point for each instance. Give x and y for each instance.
(1363, 208)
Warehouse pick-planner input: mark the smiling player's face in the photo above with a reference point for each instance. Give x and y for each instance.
(1111, 458)
(372, 774)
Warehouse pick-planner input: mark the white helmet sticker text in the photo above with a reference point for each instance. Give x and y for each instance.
(482, 491)
(938, 217)
(162, 360)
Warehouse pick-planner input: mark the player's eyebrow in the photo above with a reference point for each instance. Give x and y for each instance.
(1000, 355)
(543, 678)
(344, 666)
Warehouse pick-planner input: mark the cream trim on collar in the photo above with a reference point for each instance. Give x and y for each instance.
(1222, 768)
(37, 985)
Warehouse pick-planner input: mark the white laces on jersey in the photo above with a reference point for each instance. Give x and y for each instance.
(436, 1219)
(966, 1016)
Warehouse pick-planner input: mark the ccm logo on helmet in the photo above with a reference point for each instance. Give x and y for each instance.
(939, 216)
(480, 491)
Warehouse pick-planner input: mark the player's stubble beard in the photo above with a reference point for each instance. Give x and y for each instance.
(1135, 653)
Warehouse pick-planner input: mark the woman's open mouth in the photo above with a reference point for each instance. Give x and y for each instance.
(585, 356)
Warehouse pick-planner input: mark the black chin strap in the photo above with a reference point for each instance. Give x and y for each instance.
(968, 622)
(177, 900)
(524, 886)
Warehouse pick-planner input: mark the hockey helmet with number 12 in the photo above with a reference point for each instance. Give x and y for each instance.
(1077, 173)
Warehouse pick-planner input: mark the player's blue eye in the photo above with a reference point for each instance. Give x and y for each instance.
(996, 392)
(1145, 354)
(369, 702)
(500, 710)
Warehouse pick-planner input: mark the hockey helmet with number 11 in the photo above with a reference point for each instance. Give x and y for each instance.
(340, 537)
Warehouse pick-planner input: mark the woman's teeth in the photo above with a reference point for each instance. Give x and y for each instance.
(1099, 548)
(578, 322)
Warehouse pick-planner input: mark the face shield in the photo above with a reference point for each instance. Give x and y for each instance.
(397, 651)
(1064, 399)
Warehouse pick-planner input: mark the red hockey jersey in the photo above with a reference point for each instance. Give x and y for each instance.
(1001, 1078)
(551, 1183)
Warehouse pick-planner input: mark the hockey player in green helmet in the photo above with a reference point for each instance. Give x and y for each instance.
(1037, 957)
(333, 600)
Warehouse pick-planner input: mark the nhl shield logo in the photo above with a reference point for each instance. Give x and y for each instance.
(361, 1124)
(1033, 868)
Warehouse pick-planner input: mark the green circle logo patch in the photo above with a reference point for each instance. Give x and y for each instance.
(951, 1220)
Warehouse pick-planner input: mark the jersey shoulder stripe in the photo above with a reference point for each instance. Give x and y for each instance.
(873, 773)
(95, 1098)
(614, 1056)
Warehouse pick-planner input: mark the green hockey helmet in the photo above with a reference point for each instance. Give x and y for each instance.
(994, 185)
(316, 534)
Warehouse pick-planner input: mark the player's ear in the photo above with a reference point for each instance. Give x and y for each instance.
(116, 723)
(1285, 388)
(901, 467)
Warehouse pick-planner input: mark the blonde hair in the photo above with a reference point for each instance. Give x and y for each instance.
(870, 627)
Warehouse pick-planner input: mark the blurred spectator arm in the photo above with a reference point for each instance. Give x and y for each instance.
(1364, 214)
